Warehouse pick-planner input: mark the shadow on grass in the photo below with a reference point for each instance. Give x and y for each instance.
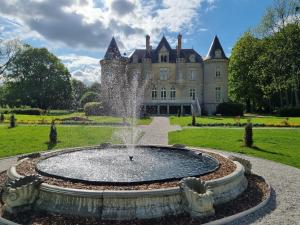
(51, 145)
(262, 150)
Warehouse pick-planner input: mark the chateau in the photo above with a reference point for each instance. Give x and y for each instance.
(179, 80)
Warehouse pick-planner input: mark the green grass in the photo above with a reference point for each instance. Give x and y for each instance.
(35, 119)
(26, 139)
(280, 145)
(267, 120)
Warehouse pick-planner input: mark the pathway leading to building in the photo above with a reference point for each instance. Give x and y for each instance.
(157, 131)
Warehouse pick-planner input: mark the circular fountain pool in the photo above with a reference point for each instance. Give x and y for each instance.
(112, 165)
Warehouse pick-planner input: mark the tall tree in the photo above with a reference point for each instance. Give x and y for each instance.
(242, 75)
(8, 50)
(37, 78)
(78, 90)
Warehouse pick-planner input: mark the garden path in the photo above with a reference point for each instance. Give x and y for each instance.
(157, 132)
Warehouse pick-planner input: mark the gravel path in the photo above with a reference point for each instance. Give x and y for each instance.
(284, 206)
(157, 131)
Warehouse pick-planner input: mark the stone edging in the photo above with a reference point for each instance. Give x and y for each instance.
(242, 214)
(216, 222)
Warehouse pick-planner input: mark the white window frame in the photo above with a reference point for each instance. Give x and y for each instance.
(153, 94)
(173, 93)
(163, 94)
(193, 94)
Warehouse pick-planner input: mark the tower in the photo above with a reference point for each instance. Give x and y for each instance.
(215, 68)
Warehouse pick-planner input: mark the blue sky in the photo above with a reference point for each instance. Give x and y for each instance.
(78, 31)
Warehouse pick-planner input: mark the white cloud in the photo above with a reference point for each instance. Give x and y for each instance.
(83, 68)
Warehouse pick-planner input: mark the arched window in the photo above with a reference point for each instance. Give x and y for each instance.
(218, 71)
(165, 59)
(161, 58)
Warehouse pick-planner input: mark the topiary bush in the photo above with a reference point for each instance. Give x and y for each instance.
(193, 120)
(24, 111)
(93, 109)
(248, 136)
(53, 134)
(230, 109)
(289, 111)
(12, 120)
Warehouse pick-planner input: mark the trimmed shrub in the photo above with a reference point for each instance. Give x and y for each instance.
(289, 111)
(53, 134)
(24, 111)
(12, 120)
(93, 109)
(248, 136)
(193, 120)
(230, 109)
(90, 97)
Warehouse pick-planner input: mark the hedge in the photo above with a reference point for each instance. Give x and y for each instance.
(289, 111)
(23, 111)
(93, 109)
(230, 109)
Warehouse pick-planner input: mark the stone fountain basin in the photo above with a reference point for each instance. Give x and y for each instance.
(133, 204)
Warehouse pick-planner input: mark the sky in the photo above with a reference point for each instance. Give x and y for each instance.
(79, 31)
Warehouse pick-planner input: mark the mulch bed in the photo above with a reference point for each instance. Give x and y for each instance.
(28, 168)
(256, 192)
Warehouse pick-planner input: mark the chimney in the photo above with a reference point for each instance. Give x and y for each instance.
(179, 37)
(148, 43)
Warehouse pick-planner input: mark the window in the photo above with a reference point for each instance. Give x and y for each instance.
(192, 94)
(164, 57)
(164, 73)
(218, 94)
(218, 53)
(193, 75)
(135, 59)
(163, 94)
(192, 58)
(173, 93)
(218, 71)
(179, 75)
(154, 94)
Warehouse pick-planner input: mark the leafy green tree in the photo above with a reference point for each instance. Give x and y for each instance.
(78, 90)
(95, 87)
(242, 75)
(37, 78)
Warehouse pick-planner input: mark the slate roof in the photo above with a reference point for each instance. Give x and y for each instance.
(214, 46)
(184, 53)
(112, 51)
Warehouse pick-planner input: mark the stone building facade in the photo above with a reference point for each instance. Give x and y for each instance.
(178, 80)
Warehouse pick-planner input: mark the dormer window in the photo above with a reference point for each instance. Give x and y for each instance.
(135, 59)
(192, 58)
(163, 55)
(218, 54)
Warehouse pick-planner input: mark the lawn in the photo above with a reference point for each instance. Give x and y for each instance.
(44, 119)
(267, 120)
(280, 145)
(25, 139)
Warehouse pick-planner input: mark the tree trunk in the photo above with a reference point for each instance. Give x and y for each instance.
(296, 97)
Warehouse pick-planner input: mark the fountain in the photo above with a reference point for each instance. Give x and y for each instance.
(116, 169)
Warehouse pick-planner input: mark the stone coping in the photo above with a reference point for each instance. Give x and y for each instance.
(13, 174)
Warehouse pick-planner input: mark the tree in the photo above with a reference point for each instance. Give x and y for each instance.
(95, 87)
(78, 90)
(8, 51)
(37, 78)
(242, 76)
